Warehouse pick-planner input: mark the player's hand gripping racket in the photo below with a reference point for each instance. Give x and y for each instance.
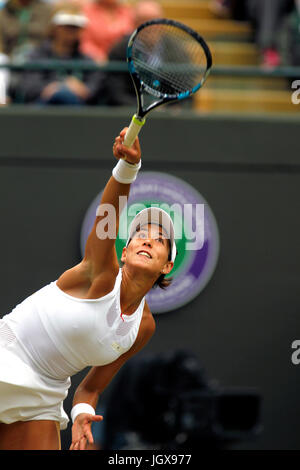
(167, 61)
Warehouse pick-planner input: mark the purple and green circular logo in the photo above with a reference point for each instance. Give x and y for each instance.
(196, 235)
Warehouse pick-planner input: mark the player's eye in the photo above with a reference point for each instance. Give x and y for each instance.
(141, 235)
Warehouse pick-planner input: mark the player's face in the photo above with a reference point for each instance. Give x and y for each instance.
(149, 248)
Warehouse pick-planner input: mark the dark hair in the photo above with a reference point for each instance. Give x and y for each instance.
(160, 281)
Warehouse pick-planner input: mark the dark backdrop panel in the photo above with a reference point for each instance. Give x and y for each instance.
(242, 325)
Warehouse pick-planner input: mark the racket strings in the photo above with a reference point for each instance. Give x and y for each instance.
(168, 59)
(163, 77)
(167, 80)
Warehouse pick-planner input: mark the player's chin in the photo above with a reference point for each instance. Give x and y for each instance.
(143, 262)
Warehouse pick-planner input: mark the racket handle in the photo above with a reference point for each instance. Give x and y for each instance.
(133, 130)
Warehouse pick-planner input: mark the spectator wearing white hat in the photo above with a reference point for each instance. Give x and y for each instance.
(60, 86)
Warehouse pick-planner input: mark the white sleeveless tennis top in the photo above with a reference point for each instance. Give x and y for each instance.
(61, 335)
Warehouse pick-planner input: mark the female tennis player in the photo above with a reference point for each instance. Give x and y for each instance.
(94, 314)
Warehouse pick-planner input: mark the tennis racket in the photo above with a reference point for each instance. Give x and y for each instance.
(168, 62)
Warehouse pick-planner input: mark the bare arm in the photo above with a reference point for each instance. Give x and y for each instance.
(97, 380)
(99, 252)
(100, 261)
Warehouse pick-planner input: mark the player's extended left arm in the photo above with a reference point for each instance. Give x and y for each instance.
(88, 391)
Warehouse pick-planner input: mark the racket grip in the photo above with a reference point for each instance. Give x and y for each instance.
(133, 130)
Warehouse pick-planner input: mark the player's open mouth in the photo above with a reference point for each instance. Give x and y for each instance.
(144, 253)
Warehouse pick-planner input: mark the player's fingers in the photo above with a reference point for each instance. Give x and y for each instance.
(123, 132)
(118, 152)
(82, 443)
(129, 151)
(96, 418)
(89, 437)
(74, 446)
(120, 140)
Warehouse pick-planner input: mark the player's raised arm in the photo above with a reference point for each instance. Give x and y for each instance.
(100, 247)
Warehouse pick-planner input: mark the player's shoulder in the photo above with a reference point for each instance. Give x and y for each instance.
(148, 321)
(146, 331)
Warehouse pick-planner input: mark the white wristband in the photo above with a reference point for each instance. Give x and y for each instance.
(125, 172)
(81, 408)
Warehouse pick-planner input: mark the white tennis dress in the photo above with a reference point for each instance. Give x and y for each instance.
(51, 336)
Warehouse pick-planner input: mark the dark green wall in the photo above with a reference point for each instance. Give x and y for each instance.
(54, 162)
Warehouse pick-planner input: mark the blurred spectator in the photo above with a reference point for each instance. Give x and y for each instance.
(119, 88)
(221, 8)
(109, 20)
(267, 17)
(66, 87)
(4, 80)
(294, 35)
(233, 9)
(23, 24)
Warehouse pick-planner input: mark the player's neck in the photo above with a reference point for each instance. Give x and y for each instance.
(134, 287)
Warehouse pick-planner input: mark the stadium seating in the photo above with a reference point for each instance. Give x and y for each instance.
(231, 45)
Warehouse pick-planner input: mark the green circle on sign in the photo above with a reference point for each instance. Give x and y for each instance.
(183, 256)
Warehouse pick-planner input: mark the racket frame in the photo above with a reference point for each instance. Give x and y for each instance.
(138, 119)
